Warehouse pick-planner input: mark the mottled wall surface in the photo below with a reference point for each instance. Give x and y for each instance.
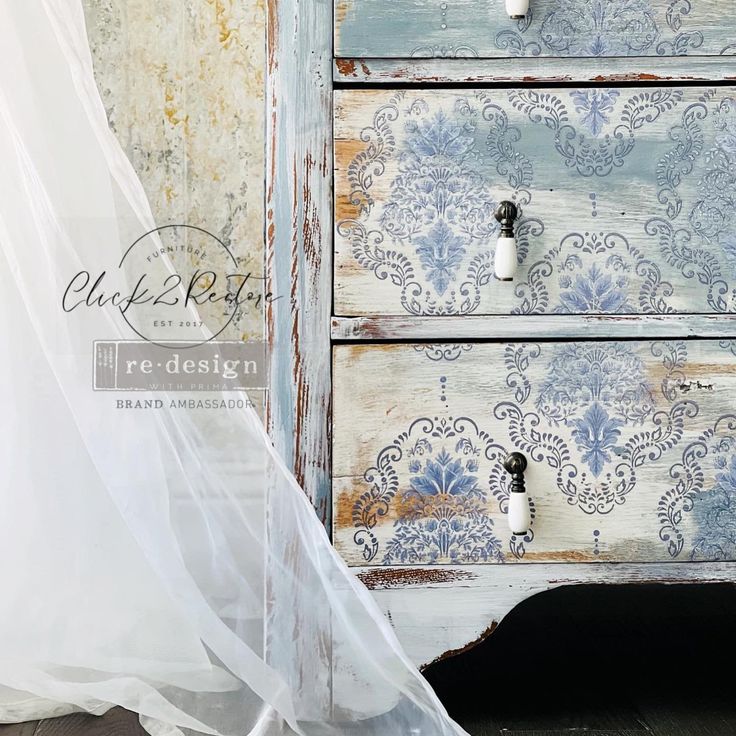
(183, 83)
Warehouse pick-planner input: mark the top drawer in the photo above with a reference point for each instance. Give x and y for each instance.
(552, 28)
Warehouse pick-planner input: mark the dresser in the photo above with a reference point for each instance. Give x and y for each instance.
(410, 141)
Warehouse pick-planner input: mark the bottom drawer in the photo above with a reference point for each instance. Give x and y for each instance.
(631, 449)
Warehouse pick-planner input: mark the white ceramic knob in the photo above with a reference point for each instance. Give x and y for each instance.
(519, 515)
(506, 258)
(517, 8)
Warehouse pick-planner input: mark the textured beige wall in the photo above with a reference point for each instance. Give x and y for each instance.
(183, 82)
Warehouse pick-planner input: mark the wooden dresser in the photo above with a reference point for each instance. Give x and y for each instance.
(405, 373)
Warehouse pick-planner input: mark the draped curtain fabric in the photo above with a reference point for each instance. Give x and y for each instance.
(166, 560)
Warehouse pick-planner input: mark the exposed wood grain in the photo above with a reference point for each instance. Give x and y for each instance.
(535, 71)
(482, 28)
(533, 327)
(380, 578)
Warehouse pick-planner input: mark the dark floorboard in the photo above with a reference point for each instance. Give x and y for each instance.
(116, 722)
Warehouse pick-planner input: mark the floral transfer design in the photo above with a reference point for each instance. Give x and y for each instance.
(713, 509)
(605, 28)
(600, 28)
(430, 170)
(603, 425)
(696, 234)
(598, 399)
(597, 273)
(595, 107)
(455, 478)
(437, 225)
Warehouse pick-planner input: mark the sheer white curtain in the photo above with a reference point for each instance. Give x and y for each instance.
(165, 560)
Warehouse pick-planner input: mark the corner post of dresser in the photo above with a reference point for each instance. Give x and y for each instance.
(299, 239)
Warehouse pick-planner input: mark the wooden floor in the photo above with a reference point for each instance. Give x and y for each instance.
(586, 661)
(116, 722)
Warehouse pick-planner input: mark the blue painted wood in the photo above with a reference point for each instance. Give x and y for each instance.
(553, 28)
(628, 200)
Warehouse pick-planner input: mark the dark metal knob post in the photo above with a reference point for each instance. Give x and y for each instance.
(506, 214)
(515, 464)
(519, 513)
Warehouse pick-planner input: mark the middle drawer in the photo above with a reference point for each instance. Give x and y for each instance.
(627, 200)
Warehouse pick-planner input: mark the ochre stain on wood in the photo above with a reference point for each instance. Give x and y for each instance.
(564, 556)
(383, 578)
(345, 151)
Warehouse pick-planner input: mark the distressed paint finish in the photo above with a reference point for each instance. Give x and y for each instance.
(436, 619)
(183, 88)
(552, 28)
(535, 70)
(510, 327)
(632, 449)
(298, 217)
(299, 268)
(626, 197)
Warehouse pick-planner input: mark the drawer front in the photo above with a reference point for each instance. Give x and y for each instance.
(631, 449)
(552, 28)
(627, 200)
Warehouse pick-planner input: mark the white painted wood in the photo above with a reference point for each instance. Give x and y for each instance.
(434, 618)
(612, 432)
(533, 70)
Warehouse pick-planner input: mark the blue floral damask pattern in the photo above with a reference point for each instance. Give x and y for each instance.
(604, 28)
(713, 509)
(594, 416)
(596, 156)
(437, 223)
(600, 28)
(597, 273)
(595, 107)
(454, 476)
(698, 238)
(591, 394)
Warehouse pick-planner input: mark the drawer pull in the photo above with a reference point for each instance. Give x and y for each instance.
(519, 515)
(517, 9)
(506, 260)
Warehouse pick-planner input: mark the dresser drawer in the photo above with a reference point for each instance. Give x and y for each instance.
(551, 28)
(627, 199)
(631, 449)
